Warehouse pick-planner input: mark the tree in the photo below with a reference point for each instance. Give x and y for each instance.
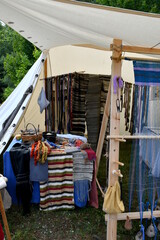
(17, 55)
(140, 5)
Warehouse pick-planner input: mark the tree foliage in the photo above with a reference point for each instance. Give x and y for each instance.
(152, 6)
(16, 57)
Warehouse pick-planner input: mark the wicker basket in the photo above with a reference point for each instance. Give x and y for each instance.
(29, 135)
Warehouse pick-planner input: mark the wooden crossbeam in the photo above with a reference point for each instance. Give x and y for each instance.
(137, 49)
(134, 215)
(133, 137)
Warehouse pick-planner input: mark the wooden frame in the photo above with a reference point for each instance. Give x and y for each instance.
(134, 215)
(136, 49)
(117, 49)
(114, 130)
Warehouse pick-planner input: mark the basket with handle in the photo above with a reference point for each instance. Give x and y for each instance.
(28, 135)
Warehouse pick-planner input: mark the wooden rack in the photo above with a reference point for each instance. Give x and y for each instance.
(119, 137)
(117, 48)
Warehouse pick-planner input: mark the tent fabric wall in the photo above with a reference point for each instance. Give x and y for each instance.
(12, 101)
(32, 114)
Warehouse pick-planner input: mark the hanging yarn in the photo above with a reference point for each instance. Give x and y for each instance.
(40, 152)
(117, 83)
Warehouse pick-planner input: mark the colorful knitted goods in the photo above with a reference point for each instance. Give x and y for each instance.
(57, 192)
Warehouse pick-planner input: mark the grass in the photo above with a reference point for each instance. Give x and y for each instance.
(78, 224)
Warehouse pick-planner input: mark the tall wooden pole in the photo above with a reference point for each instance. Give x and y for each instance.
(45, 77)
(103, 128)
(114, 130)
(4, 218)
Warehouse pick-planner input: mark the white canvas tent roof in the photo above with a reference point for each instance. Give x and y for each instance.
(48, 24)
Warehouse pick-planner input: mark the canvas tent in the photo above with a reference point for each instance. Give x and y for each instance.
(61, 60)
(49, 24)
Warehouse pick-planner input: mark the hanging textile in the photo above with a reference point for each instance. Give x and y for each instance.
(78, 92)
(49, 113)
(83, 168)
(93, 109)
(83, 174)
(57, 192)
(145, 161)
(146, 73)
(20, 159)
(127, 103)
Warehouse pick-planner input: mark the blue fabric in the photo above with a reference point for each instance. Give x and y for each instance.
(81, 189)
(142, 231)
(42, 100)
(146, 73)
(38, 173)
(11, 184)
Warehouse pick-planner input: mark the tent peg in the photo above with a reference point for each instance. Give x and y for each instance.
(120, 139)
(117, 172)
(119, 163)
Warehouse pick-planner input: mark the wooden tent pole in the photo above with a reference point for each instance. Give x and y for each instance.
(103, 128)
(56, 105)
(4, 218)
(45, 77)
(114, 130)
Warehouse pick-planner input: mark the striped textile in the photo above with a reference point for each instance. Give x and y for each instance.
(146, 73)
(82, 167)
(58, 191)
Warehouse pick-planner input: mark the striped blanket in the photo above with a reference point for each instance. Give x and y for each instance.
(146, 73)
(58, 191)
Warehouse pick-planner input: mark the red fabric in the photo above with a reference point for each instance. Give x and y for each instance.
(78, 143)
(91, 154)
(93, 194)
(1, 233)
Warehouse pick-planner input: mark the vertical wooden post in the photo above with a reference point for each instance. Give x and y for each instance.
(45, 77)
(103, 128)
(56, 104)
(4, 218)
(114, 129)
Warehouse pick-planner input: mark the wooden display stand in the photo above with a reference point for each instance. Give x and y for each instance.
(4, 218)
(117, 49)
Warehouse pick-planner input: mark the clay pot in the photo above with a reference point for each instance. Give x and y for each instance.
(128, 224)
(139, 236)
(150, 232)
